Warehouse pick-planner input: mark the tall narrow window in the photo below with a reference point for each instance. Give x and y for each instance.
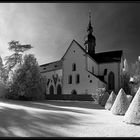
(77, 78)
(92, 69)
(73, 67)
(111, 81)
(51, 90)
(70, 79)
(105, 71)
(59, 89)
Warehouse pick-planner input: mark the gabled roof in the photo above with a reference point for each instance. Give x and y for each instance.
(80, 48)
(103, 57)
(107, 57)
(70, 46)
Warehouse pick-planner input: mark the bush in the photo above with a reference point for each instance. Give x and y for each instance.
(135, 84)
(99, 95)
(27, 82)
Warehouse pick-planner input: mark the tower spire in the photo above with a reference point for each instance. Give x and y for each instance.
(90, 41)
(89, 17)
(90, 29)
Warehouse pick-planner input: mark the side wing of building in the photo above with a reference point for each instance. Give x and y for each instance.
(53, 75)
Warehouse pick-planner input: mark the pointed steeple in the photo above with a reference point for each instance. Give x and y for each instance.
(90, 29)
(90, 41)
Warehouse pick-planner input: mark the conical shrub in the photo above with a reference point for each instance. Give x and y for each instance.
(105, 98)
(133, 113)
(110, 101)
(121, 103)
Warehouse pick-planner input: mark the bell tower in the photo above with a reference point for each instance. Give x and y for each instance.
(90, 41)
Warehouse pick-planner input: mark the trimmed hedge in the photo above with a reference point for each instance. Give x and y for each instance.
(132, 115)
(121, 103)
(110, 101)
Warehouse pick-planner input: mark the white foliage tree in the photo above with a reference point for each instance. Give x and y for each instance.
(126, 68)
(3, 79)
(3, 72)
(16, 57)
(135, 75)
(27, 80)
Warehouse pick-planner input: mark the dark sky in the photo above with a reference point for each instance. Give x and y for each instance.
(50, 27)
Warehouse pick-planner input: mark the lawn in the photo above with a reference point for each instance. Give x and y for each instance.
(61, 119)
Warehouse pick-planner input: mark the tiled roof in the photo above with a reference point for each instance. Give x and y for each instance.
(111, 56)
(105, 57)
(51, 66)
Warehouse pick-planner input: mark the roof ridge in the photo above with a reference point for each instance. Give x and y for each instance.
(110, 51)
(51, 62)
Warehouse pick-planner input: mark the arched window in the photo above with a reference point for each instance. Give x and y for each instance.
(77, 78)
(59, 89)
(111, 81)
(73, 67)
(51, 90)
(70, 79)
(73, 92)
(105, 71)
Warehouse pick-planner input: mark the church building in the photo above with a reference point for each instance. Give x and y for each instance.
(82, 71)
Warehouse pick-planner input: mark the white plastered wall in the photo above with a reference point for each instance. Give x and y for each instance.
(49, 75)
(91, 63)
(76, 55)
(115, 68)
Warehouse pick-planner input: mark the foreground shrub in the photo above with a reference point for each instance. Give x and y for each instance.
(97, 97)
(121, 103)
(133, 113)
(110, 101)
(26, 83)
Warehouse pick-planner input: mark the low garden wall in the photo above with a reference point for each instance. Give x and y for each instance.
(81, 97)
